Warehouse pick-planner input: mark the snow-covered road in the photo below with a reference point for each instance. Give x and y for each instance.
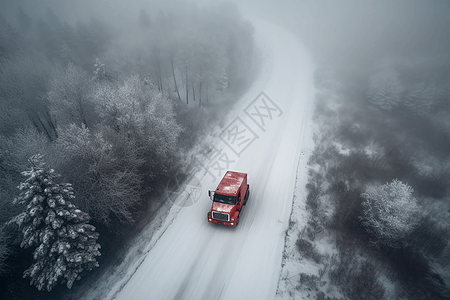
(193, 259)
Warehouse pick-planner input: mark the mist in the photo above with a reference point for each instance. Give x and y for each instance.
(118, 95)
(113, 96)
(367, 30)
(340, 30)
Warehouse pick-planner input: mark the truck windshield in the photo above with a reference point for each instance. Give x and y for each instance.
(225, 199)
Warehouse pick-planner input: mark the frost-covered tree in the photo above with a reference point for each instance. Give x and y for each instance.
(184, 62)
(209, 68)
(136, 141)
(423, 99)
(116, 65)
(66, 52)
(104, 173)
(194, 55)
(100, 73)
(385, 90)
(69, 96)
(141, 112)
(63, 241)
(14, 153)
(390, 213)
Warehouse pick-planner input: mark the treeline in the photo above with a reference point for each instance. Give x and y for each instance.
(198, 53)
(99, 105)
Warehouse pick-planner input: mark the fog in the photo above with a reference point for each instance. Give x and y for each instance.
(80, 82)
(367, 30)
(364, 31)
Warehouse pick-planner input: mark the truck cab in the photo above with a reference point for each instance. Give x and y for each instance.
(229, 198)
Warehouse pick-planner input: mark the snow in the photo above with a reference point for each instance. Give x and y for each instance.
(189, 258)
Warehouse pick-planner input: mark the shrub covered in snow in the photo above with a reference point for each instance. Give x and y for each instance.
(65, 244)
(389, 213)
(308, 250)
(357, 278)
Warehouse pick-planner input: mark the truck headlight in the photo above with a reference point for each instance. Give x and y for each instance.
(232, 219)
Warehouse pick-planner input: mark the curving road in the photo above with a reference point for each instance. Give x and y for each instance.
(193, 259)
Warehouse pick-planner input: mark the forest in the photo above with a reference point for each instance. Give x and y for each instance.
(377, 202)
(99, 108)
(377, 193)
(94, 120)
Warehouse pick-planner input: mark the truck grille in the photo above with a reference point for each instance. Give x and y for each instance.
(220, 216)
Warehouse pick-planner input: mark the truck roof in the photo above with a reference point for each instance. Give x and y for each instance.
(230, 183)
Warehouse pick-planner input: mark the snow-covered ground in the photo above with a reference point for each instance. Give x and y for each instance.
(266, 135)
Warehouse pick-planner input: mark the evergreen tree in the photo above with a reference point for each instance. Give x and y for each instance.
(65, 244)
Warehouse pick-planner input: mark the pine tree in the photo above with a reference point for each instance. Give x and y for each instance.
(100, 73)
(65, 244)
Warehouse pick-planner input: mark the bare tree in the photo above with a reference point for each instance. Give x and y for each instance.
(143, 113)
(104, 175)
(136, 140)
(69, 96)
(184, 63)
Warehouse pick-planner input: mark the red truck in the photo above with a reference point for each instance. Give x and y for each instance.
(229, 198)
